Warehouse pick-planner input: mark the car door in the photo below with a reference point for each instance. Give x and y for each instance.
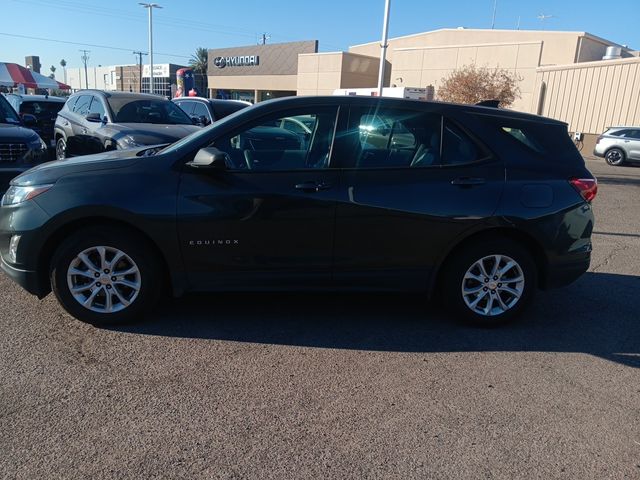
(76, 143)
(415, 182)
(267, 220)
(632, 144)
(94, 139)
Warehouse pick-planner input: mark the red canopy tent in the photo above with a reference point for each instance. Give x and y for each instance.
(13, 75)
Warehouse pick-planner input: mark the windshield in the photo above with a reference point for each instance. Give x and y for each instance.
(7, 113)
(42, 108)
(136, 110)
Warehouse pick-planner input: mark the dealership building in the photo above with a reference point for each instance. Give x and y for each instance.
(585, 80)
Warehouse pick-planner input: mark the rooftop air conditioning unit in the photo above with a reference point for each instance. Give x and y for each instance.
(613, 53)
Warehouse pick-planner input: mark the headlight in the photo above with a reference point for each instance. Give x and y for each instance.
(128, 142)
(38, 144)
(17, 194)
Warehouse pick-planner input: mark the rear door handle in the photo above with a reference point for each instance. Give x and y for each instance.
(468, 181)
(313, 186)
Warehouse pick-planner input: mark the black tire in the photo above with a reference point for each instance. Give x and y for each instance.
(61, 148)
(137, 253)
(615, 157)
(457, 267)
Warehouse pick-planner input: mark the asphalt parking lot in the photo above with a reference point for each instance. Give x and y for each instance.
(336, 386)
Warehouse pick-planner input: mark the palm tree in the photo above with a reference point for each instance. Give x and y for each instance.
(199, 62)
(63, 64)
(53, 71)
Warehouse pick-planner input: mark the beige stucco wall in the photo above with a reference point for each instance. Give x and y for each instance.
(254, 82)
(559, 47)
(420, 67)
(591, 96)
(322, 73)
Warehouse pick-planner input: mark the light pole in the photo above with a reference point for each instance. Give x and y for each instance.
(383, 46)
(150, 7)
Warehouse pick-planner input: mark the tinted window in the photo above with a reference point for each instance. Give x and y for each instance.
(147, 110)
(266, 147)
(621, 133)
(81, 107)
(457, 147)
(41, 109)
(394, 138)
(524, 137)
(7, 113)
(223, 109)
(635, 134)
(97, 107)
(200, 110)
(186, 106)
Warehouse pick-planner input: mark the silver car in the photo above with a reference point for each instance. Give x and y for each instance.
(619, 145)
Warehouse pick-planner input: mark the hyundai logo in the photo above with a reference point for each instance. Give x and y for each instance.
(220, 62)
(237, 61)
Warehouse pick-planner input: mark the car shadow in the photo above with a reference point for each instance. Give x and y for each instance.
(596, 315)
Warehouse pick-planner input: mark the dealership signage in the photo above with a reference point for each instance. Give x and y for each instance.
(237, 61)
(159, 70)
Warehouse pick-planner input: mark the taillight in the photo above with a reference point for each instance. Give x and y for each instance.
(587, 187)
(598, 139)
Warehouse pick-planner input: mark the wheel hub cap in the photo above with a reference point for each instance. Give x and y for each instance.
(104, 279)
(493, 285)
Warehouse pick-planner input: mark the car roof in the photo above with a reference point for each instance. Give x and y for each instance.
(337, 100)
(38, 98)
(118, 94)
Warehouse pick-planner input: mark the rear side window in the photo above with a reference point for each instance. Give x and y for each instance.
(457, 147)
(525, 137)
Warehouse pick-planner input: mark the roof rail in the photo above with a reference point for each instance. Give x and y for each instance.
(489, 103)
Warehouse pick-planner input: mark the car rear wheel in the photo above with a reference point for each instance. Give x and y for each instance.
(490, 283)
(105, 276)
(615, 157)
(61, 149)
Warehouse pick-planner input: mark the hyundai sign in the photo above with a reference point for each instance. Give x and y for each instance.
(237, 61)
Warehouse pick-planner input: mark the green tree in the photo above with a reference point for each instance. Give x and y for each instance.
(53, 71)
(63, 64)
(199, 63)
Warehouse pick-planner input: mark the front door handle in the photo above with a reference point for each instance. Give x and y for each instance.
(468, 181)
(313, 186)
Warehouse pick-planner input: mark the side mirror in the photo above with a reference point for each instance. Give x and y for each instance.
(201, 121)
(95, 117)
(29, 120)
(209, 158)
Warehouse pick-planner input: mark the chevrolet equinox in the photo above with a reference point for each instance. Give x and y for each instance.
(477, 205)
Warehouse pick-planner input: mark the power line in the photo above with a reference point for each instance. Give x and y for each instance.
(108, 47)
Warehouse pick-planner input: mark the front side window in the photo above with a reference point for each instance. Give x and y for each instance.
(81, 107)
(267, 146)
(97, 107)
(201, 110)
(394, 138)
(7, 113)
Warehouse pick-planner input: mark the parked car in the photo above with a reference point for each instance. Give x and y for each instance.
(20, 147)
(619, 145)
(93, 121)
(481, 208)
(205, 111)
(44, 108)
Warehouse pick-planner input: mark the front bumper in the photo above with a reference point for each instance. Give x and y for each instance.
(28, 280)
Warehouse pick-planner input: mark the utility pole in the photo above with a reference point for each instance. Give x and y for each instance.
(85, 58)
(263, 39)
(493, 20)
(150, 7)
(139, 54)
(383, 46)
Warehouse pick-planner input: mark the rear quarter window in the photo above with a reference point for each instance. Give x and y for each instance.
(525, 137)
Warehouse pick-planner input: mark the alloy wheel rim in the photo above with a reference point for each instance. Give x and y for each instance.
(614, 156)
(493, 285)
(60, 150)
(104, 279)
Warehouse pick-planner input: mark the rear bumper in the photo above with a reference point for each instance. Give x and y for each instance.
(26, 279)
(562, 273)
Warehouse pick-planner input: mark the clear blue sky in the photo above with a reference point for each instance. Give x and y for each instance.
(182, 25)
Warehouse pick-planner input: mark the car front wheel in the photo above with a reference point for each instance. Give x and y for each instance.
(105, 276)
(61, 149)
(490, 283)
